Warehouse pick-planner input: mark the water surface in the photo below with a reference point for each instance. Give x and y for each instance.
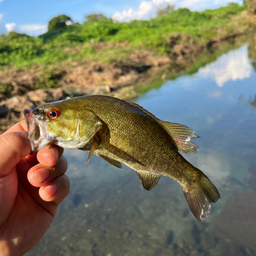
(109, 213)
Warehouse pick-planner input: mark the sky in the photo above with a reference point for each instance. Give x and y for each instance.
(32, 16)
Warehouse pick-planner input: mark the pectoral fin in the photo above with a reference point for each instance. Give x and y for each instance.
(96, 141)
(148, 180)
(182, 136)
(111, 161)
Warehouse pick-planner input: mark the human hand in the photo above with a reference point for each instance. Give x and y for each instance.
(31, 188)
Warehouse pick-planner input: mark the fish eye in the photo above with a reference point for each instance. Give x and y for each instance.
(54, 113)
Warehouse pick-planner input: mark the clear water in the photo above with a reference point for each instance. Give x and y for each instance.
(108, 213)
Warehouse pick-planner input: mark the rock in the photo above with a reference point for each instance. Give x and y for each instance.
(4, 112)
(56, 94)
(37, 95)
(13, 102)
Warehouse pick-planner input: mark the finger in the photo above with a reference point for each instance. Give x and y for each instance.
(40, 175)
(32, 159)
(49, 155)
(56, 190)
(19, 127)
(13, 146)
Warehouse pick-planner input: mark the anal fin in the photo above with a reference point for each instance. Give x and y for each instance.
(111, 161)
(148, 180)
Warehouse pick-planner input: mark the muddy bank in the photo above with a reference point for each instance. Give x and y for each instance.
(116, 79)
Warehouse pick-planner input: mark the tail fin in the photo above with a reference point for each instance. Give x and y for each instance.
(200, 196)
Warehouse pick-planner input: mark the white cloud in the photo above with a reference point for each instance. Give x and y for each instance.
(33, 29)
(10, 26)
(69, 22)
(29, 29)
(160, 2)
(232, 66)
(130, 14)
(190, 3)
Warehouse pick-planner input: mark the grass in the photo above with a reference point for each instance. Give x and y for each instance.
(80, 42)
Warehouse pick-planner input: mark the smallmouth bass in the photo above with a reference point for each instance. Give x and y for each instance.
(121, 131)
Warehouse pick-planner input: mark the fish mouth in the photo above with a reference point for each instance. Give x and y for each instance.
(37, 133)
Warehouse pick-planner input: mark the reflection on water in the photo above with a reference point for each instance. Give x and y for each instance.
(234, 65)
(109, 213)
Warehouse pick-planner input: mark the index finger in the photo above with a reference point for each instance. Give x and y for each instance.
(19, 127)
(50, 155)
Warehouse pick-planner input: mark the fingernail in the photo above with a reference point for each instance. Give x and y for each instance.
(51, 190)
(42, 174)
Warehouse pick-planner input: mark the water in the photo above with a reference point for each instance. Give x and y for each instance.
(108, 213)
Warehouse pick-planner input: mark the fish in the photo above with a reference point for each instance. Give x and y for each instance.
(120, 131)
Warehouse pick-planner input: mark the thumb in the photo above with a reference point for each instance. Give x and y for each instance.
(13, 146)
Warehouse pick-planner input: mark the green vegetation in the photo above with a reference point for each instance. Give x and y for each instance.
(95, 17)
(5, 88)
(78, 42)
(164, 11)
(59, 22)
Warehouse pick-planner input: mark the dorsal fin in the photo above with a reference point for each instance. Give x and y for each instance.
(148, 180)
(180, 133)
(142, 109)
(182, 136)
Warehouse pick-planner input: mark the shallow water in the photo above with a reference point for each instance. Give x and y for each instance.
(109, 213)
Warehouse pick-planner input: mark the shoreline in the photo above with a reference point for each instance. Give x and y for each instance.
(120, 79)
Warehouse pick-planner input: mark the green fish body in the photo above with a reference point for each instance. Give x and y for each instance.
(121, 131)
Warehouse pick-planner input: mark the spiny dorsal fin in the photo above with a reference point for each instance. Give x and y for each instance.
(142, 109)
(148, 180)
(111, 161)
(182, 136)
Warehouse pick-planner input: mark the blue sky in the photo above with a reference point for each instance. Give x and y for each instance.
(32, 16)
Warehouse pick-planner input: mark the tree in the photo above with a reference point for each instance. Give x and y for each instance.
(251, 6)
(94, 17)
(232, 4)
(59, 22)
(164, 11)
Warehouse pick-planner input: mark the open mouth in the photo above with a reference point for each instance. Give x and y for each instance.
(33, 129)
(36, 132)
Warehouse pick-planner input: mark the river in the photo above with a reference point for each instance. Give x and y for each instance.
(108, 213)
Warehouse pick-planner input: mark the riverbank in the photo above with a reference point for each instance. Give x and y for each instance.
(122, 77)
